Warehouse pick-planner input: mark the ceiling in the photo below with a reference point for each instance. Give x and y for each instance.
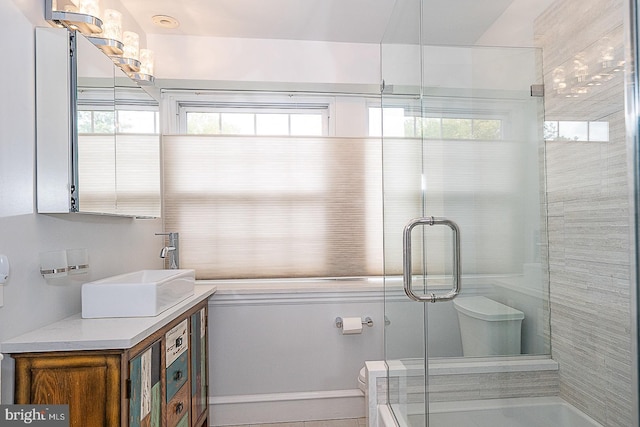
(356, 21)
(327, 20)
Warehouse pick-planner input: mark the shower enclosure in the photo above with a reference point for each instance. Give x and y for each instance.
(506, 183)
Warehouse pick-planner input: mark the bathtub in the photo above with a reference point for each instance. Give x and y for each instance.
(517, 412)
(476, 392)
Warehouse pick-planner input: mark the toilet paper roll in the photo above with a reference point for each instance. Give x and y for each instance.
(351, 325)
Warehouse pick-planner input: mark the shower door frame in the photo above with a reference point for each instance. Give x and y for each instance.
(632, 118)
(422, 212)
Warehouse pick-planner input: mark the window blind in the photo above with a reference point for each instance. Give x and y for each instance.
(119, 174)
(264, 207)
(267, 207)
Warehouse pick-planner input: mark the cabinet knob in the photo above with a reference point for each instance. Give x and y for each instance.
(178, 341)
(179, 407)
(177, 375)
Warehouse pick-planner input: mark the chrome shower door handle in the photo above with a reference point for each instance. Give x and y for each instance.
(406, 259)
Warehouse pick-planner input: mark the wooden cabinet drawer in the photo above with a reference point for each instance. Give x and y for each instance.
(178, 407)
(177, 375)
(177, 341)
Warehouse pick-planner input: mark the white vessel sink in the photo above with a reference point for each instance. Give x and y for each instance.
(138, 294)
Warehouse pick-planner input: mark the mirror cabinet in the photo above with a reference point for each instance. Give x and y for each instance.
(97, 131)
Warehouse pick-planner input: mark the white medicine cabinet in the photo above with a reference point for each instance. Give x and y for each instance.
(97, 132)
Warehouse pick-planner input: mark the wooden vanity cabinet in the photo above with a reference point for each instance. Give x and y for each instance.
(161, 381)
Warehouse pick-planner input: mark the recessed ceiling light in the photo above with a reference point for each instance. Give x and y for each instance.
(165, 21)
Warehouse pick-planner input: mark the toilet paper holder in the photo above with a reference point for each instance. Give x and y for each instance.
(367, 321)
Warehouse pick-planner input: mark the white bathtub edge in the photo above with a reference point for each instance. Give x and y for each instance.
(466, 365)
(384, 417)
(387, 419)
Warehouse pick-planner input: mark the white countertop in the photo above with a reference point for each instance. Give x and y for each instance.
(76, 333)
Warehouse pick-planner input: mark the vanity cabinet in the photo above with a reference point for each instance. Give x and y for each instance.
(160, 381)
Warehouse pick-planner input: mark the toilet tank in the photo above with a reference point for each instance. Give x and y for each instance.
(487, 327)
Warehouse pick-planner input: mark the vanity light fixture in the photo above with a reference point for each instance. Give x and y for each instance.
(123, 47)
(110, 41)
(145, 75)
(89, 7)
(128, 61)
(589, 70)
(69, 15)
(112, 24)
(131, 42)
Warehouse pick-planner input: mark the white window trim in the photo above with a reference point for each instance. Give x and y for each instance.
(177, 103)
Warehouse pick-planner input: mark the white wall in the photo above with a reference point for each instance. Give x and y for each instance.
(257, 60)
(115, 244)
(276, 355)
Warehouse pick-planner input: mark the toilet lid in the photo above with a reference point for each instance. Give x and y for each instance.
(486, 309)
(362, 376)
(362, 381)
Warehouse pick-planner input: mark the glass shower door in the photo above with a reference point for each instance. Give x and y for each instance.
(462, 145)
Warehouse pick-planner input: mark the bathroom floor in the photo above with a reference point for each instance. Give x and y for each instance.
(349, 422)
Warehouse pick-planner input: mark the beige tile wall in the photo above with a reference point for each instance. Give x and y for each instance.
(588, 216)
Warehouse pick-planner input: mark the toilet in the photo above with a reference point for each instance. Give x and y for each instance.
(487, 327)
(362, 380)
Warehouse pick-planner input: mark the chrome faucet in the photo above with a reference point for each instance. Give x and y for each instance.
(172, 250)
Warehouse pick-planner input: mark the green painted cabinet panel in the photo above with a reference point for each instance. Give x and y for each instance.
(199, 363)
(145, 404)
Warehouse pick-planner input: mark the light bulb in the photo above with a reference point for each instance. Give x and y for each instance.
(146, 60)
(131, 42)
(89, 7)
(112, 28)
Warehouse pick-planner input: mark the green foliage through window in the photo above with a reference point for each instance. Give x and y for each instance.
(396, 122)
(120, 121)
(254, 123)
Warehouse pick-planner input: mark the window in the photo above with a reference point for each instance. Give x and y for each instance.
(401, 122)
(258, 189)
(119, 173)
(120, 121)
(265, 203)
(310, 121)
(576, 131)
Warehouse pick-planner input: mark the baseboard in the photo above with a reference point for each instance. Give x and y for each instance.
(286, 407)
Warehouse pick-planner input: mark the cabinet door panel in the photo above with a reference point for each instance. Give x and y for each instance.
(69, 380)
(198, 363)
(145, 404)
